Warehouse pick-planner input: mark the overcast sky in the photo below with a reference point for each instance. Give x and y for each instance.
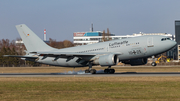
(63, 17)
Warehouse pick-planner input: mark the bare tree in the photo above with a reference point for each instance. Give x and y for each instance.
(106, 36)
(67, 43)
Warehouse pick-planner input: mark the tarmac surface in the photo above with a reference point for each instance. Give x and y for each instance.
(81, 74)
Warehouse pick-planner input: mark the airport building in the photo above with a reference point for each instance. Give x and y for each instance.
(177, 33)
(84, 38)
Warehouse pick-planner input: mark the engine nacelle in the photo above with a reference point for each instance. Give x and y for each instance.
(107, 60)
(135, 62)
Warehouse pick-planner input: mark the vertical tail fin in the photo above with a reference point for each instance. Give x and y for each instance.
(32, 42)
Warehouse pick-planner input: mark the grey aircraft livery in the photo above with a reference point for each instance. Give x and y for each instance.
(133, 51)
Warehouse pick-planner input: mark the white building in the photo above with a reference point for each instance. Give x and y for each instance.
(84, 38)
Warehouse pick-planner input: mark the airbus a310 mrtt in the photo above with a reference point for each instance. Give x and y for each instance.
(134, 51)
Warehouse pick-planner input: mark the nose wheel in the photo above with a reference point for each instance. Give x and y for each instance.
(153, 64)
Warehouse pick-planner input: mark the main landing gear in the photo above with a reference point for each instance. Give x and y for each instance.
(109, 70)
(90, 70)
(93, 71)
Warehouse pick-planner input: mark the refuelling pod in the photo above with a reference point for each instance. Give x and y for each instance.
(107, 60)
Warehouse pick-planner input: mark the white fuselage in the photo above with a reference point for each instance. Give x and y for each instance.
(130, 48)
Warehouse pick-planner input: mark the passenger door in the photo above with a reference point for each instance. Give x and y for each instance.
(150, 45)
(150, 42)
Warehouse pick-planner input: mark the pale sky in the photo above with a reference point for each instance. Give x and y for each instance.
(63, 17)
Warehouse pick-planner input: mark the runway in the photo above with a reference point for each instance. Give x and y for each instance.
(123, 74)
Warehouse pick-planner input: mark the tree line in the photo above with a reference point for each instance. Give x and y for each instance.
(8, 47)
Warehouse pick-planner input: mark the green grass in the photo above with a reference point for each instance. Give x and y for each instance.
(80, 89)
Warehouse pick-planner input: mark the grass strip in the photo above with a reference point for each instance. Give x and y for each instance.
(90, 88)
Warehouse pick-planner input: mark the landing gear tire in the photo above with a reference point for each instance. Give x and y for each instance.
(87, 71)
(109, 71)
(92, 71)
(153, 64)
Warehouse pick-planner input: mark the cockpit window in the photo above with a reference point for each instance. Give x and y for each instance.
(164, 39)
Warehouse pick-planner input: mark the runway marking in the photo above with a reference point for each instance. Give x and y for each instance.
(123, 74)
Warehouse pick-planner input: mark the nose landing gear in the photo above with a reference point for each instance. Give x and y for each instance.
(153, 63)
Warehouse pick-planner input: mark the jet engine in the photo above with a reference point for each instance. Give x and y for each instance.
(135, 62)
(107, 60)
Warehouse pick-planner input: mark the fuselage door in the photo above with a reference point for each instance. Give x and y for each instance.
(150, 42)
(107, 49)
(150, 46)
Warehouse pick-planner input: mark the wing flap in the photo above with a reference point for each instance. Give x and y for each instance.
(66, 54)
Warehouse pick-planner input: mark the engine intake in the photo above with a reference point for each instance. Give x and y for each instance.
(107, 60)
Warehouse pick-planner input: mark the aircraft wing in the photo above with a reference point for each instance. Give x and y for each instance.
(54, 54)
(71, 55)
(57, 55)
(20, 56)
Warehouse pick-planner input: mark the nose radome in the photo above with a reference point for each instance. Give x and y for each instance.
(173, 43)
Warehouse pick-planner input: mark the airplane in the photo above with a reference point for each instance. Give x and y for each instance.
(133, 51)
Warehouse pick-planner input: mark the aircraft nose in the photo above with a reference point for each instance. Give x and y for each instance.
(174, 43)
(169, 44)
